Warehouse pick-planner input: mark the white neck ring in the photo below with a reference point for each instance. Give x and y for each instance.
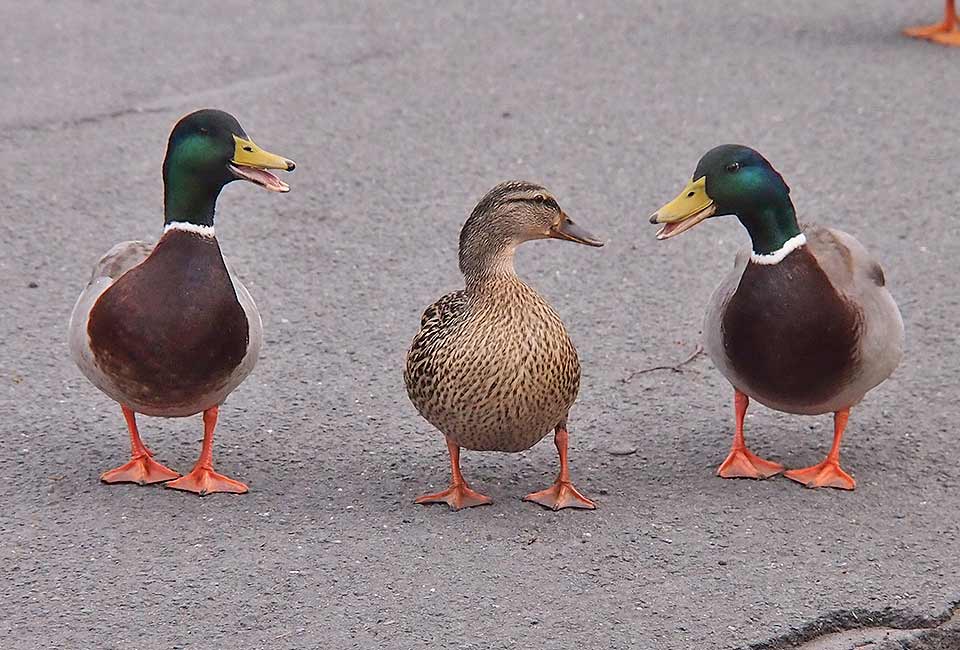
(777, 256)
(186, 226)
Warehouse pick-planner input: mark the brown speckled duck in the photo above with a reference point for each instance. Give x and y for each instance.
(803, 323)
(492, 366)
(167, 329)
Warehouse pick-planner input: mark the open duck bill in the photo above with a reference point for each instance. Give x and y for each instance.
(570, 231)
(250, 163)
(691, 206)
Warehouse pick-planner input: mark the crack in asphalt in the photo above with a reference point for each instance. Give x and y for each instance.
(168, 103)
(860, 629)
(678, 367)
(96, 118)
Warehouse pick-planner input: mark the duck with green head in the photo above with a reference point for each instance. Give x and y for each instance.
(168, 330)
(803, 324)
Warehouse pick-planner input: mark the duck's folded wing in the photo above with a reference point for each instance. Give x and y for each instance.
(254, 322)
(444, 310)
(120, 259)
(850, 267)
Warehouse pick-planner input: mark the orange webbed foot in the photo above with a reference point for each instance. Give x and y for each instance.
(458, 496)
(203, 481)
(561, 495)
(742, 463)
(946, 32)
(950, 39)
(140, 469)
(926, 31)
(825, 474)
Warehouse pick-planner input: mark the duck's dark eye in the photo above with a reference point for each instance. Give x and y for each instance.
(547, 201)
(733, 167)
(204, 130)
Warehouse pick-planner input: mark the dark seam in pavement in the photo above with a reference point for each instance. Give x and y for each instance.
(59, 124)
(857, 619)
(674, 368)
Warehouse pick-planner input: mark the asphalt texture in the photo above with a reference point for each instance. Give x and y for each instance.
(400, 117)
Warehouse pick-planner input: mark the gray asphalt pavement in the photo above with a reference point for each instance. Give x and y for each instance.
(400, 117)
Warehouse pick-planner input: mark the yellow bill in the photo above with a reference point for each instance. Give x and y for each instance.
(691, 206)
(251, 163)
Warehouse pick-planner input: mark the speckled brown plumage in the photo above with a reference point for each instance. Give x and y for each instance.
(492, 366)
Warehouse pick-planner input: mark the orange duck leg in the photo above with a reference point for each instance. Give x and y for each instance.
(141, 469)
(741, 462)
(202, 479)
(946, 32)
(458, 495)
(561, 494)
(827, 473)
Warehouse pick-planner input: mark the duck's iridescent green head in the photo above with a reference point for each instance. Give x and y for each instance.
(208, 149)
(734, 179)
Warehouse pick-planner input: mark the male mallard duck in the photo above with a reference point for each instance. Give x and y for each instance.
(492, 366)
(803, 323)
(169, 330)
(946, 32)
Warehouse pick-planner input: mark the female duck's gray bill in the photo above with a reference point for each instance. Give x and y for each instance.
(570, 231)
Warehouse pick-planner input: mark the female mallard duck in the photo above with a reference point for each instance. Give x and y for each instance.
(803, 323)
(492, 366)
(946, 32)
(168, 330)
